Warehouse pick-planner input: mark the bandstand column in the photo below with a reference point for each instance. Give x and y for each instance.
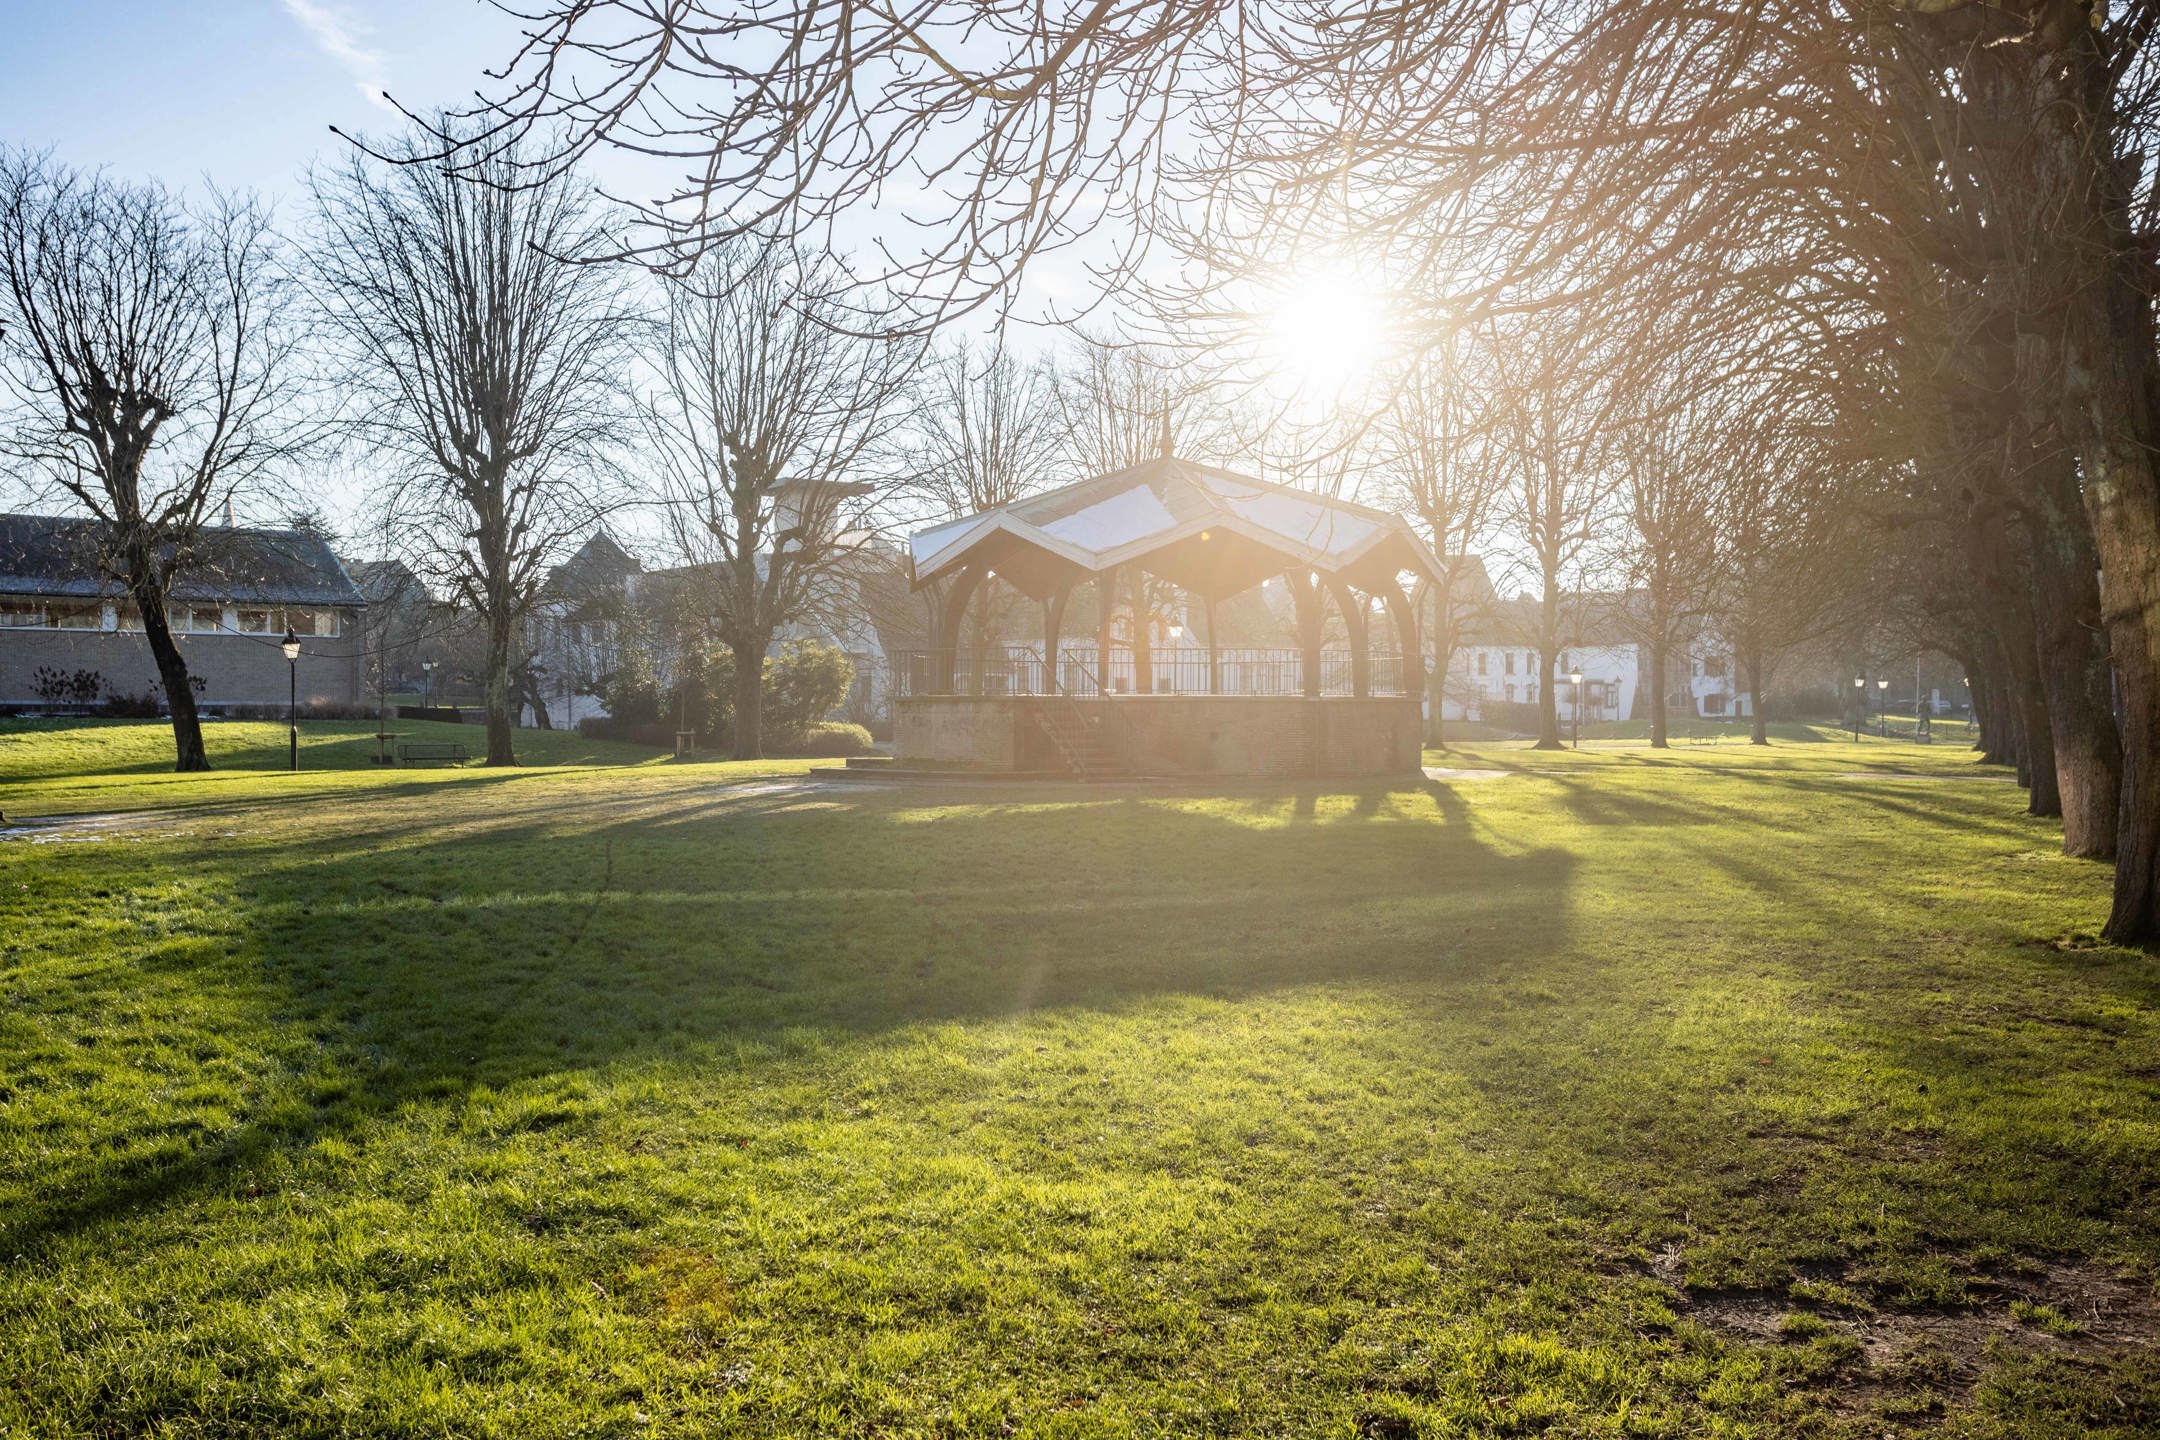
(1354, 618)
(1311, 623)
(1053, 624)
(1407, 638)
(1105, 605)
(945, 642)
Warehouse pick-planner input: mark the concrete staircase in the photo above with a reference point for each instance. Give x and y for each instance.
(1078, 739)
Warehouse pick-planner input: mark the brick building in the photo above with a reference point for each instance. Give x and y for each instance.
(62, 612)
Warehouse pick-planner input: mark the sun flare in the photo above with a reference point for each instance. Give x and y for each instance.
(1323, 334)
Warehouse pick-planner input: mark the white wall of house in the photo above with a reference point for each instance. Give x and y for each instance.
(1509, 674)
(1714, 684)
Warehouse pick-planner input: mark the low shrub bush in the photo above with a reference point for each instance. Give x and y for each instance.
(829, 739)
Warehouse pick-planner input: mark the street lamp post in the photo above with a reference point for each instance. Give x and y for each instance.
(1882, 707)
(1575, 710)
(427, 681)
(1859, 714)
(291, 647)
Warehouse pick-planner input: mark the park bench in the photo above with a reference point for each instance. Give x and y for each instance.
(419, 752)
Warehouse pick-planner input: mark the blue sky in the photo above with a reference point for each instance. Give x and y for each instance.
(242, 91)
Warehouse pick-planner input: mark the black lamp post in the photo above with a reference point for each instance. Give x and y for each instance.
(1859, 714)
(291, 647)
(1882, 707)
(1575, 710)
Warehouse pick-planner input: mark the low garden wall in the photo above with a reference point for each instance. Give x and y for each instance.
(1284, 736)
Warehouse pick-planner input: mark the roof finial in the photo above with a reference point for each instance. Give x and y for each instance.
(1166, 433)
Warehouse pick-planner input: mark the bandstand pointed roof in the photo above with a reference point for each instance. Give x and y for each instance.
(1208, 529)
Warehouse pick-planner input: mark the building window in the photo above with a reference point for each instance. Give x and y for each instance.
(1713, 704)
(74, 615)
(1510, 666)
(1482, 657)
(1714, 666)
(256, 620)
(202, 619)
(127, 617)
(311, 620)
(17, 614)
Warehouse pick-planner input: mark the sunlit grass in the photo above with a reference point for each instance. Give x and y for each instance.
(685, 1100)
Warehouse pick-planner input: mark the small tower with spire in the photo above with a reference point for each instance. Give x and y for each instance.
(1166, 434)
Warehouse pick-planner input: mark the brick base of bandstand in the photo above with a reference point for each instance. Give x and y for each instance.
(1252, 736)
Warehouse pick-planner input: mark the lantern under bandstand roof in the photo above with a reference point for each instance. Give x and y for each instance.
(1213, 533)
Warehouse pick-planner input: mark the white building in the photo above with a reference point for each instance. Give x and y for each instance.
(1497, 663)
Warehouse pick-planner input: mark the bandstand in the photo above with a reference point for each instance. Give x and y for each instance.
(1333, 704)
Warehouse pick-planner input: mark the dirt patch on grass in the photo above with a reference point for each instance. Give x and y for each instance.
(1441, 772)
(1914, 1363)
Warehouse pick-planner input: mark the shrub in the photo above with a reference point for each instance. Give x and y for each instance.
(1520, 717)
(827, 739)
(630, 732)
(1813, 702)
(631, 691)
(324, 710)
(805, 682)
(147, 706)
(67, 687)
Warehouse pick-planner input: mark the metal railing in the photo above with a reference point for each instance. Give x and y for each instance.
(1183, 670)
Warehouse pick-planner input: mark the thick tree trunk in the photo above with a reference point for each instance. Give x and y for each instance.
(188, 752)
(1991, 714)
(501, 689)
(2124, 502)
(1657, 695)
(1443, 637)
(2122, 498)
(1759, 732)
(749, 701)
(2090, 249)
(1548, 663)
(2043, 786)
(2073, 662)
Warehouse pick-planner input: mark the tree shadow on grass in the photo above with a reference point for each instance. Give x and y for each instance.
(404, 965)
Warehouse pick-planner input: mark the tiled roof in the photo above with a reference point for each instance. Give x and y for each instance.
(60, 555)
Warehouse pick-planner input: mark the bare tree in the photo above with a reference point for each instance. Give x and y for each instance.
(1676, 463)
(145, 359)
(1552, 416)
(1787, 554)
(984, 433)
(484, 362)
(765, 425)
(1437, 460)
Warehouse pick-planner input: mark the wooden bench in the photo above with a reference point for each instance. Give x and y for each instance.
(420, 752)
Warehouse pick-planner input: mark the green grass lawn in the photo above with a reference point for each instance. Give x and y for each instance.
(1708, 1092)
(76, 765)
